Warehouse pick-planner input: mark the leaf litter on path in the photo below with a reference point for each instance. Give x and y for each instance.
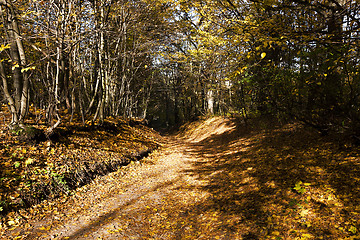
(247, 182)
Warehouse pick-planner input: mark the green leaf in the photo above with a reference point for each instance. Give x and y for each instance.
(16, 164)
(298, 187)
(353, 229)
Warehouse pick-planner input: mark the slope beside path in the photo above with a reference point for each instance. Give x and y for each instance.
(220, 179)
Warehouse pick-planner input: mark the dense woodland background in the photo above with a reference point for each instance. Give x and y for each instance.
(171, 61)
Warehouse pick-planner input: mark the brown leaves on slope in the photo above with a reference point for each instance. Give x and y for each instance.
(33, 172)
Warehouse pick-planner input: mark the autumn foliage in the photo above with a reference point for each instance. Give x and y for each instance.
(35, 167)
(80, 79)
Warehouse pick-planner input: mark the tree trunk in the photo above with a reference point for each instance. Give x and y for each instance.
(19, 103)
(14, 114)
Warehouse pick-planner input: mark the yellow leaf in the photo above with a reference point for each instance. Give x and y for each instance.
(45, 228)
(29, 161)
(3, 47)
(263, 55)
(304, 212)
(11, 222)
(306, 236)
(15, 66)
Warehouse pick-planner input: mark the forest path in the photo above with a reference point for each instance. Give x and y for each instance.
(133, 203)
(221, 179)
(158, 198)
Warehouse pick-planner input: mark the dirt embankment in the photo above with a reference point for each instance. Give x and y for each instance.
(35, 170)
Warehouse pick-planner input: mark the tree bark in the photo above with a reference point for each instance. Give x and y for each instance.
(18, 104)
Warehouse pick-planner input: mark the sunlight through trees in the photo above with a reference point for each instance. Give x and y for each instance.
(171, 61)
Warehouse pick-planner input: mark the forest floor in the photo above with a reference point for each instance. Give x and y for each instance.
(217, 179)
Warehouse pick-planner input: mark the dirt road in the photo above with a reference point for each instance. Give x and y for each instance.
(221, 181)
(157, 198)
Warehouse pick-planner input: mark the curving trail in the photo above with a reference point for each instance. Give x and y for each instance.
(161, 198)
(220, 180)
(132, 206)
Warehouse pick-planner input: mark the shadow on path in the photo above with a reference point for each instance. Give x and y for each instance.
(251, 174)
(102, 220)
(250, 182)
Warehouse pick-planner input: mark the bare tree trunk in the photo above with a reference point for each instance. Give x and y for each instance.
(18, 103)
(25, 85)
(14, 114)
